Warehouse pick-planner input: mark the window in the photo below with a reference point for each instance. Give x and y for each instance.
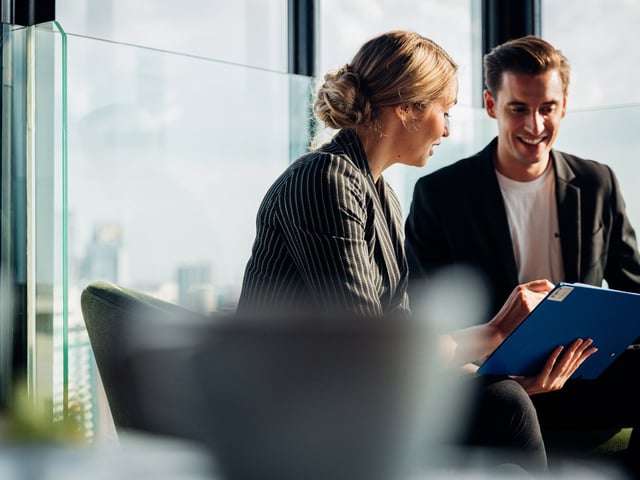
(600, 40)
(346, 24)
(247, 32)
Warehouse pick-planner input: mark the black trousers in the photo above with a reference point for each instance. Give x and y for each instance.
(503, 420)
(504, 417)
(609, 401)
(586, 413)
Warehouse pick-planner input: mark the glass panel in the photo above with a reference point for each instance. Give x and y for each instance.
(600, 39)
(168, 158)
(248, 32)
(45, 101)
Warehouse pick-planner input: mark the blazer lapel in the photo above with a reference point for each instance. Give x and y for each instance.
(384, 229)
(569, 215)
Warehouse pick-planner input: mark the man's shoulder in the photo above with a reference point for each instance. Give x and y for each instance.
(580, 166)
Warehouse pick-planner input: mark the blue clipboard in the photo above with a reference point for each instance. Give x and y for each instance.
(570, 311)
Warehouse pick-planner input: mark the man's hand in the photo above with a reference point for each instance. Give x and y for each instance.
(558, 369)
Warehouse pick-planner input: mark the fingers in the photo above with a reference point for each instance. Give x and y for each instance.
(551, 361)
(570, 361)
(583, 351)
(522, 300)
(560, 366)
(541, 286)
(531, 293)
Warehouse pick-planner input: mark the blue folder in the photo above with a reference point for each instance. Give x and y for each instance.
(570, 311)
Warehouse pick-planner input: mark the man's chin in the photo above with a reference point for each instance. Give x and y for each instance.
(534, 153)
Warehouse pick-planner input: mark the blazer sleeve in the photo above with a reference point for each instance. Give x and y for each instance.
(325, 220)
(622, 271)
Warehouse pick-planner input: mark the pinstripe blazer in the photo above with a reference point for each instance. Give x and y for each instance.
(328, 239)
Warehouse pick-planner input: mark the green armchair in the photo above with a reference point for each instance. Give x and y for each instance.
(143, 347)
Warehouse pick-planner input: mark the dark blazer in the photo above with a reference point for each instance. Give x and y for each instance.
(328, 238)
(457, 216)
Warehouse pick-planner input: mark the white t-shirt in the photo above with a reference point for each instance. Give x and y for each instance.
(533, 222)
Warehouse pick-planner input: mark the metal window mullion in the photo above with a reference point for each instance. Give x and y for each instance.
(302, 37)
(30, 159)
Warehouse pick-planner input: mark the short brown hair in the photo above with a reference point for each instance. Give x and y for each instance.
(530, 55)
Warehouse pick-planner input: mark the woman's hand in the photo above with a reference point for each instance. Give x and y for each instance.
(522, 300)
(475, 343)
(558, 368)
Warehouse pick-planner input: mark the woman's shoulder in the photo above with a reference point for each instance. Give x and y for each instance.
(323, 167)
(318, 178)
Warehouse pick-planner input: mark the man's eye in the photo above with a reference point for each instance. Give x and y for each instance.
(518, 110)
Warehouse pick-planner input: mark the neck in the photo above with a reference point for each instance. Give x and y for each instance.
(377, 150)
(381, 142)
(521, 172)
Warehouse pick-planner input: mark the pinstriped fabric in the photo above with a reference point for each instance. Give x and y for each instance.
(328, 239)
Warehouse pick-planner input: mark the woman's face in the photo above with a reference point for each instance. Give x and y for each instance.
(425, 130)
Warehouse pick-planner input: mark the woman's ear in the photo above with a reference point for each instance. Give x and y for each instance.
(403, 112)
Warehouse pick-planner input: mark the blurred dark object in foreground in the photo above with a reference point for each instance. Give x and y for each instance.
(282, 398)
(288, 398)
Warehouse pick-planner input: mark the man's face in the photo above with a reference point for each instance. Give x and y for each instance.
(528, 109)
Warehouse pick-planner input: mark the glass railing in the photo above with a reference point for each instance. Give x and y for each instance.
(169, 156)
(146, 168)
(134, 165)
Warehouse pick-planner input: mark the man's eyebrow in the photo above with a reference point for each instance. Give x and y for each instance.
(519, 103)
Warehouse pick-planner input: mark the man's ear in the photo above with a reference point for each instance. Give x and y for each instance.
(489, 104)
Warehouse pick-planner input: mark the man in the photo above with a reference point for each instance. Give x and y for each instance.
(519, 210)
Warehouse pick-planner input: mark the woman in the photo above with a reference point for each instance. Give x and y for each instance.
(329, 230)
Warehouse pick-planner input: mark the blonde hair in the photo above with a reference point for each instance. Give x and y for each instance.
(395, 68)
